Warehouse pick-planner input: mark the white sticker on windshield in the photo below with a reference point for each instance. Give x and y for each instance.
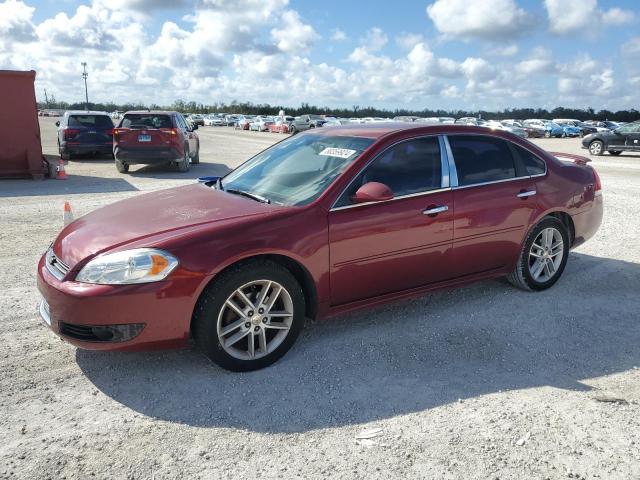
(337, 152)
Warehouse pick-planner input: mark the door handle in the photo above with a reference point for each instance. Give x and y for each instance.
(435, 210)
(526, 193)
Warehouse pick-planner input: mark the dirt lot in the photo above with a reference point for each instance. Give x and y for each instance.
(481, 382)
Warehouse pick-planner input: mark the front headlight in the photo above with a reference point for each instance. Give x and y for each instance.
(140, 265)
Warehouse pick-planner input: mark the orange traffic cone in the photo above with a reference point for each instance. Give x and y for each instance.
(62, 175)
(67, 215)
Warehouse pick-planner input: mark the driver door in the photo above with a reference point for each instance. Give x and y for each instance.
(399, 244)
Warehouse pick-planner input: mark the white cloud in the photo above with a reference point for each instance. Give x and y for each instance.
(293, 35)
(338, 35)
(488, 19)
(409, 40)
(15, 23)
(539, 61)
(583, 17)
(375, 39)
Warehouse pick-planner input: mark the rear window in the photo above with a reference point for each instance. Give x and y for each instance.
(90, 121)
(146, 120)
(481, 159)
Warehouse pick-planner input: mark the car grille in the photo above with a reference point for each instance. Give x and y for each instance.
(56, 267)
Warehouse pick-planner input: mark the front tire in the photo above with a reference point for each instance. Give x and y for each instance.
(250, 316)
(596, 147)
(543, 256)
(547, 134)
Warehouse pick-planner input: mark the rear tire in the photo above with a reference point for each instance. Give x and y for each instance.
(293, 130)
(547, 134)
(526, 275)
(121, 166)
(183, 165)
(213, 314)
(196, 157)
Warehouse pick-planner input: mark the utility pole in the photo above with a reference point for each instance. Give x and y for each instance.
(86, 92)
(46, 99)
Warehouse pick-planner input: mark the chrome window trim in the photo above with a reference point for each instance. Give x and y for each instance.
(418, 137)
(401, 197)
(481, 184)
(445, 166)
(453, 170)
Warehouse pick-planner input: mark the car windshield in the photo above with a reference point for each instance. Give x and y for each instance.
(297, 170)
(90, 121)
(146, 120)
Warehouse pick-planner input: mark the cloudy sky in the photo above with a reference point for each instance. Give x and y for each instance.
(449, 54)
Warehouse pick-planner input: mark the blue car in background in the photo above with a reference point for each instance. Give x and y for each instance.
(570, 130)
(85, 133)
(550, 129)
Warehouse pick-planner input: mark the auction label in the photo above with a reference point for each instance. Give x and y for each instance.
(337, 152)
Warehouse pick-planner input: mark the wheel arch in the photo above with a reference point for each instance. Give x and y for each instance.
(565, 219)
(299, 271)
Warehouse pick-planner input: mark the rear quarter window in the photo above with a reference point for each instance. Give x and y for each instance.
(532, 164)
(481, 159)
(90, 121)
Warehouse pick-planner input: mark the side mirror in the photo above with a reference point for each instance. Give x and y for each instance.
(372, 192)
(58, 123)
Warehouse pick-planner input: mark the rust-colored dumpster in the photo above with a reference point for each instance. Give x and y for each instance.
(20, 147)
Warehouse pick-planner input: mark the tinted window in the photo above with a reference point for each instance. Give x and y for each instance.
(90, 121)
(409, 167)
(481, 159)
(533, 164)
(146, 120)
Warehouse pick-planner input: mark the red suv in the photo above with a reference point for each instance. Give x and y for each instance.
(150, 137)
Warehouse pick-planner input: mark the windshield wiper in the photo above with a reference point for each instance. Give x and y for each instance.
(250, 195)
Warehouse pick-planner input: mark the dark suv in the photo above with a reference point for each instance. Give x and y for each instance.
(85, 133)
(624, 138)
(152, 137)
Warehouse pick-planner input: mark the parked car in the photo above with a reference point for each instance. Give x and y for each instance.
(196, 119)
(281, 124)
(299, 124)
(468, 121)
(214, 121)
(243, 121)
(261, 124)
(584, 128)
(497, 125)
(319, 224)
(84, 133)
(624, 138)
(602, 126)
(550, 129)
(569, 130)
(231, 120)
(529, 131)
(153, 137)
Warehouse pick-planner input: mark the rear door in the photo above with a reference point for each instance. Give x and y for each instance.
(633, 137)
(494, 202)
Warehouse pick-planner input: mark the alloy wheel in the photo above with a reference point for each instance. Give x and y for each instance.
(545, 255)
(255, 319)
(595, 148)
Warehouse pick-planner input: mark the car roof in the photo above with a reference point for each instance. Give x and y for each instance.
(382, 129)
(85, 112)
(158, 112)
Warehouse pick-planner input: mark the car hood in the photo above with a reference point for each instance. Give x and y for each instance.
(151, 215)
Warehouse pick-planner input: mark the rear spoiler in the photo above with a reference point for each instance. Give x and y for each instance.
(569, 157)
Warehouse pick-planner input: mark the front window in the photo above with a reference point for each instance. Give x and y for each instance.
(296, 171)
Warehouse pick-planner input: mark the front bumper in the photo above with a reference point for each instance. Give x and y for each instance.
(143, 316)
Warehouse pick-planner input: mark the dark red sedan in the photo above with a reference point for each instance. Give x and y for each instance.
(319, 224)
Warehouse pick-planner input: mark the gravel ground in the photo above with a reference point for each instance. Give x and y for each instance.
(481, 382)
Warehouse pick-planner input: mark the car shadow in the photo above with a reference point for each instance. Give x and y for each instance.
(202, 169)
(401, 358)
(71, 185)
